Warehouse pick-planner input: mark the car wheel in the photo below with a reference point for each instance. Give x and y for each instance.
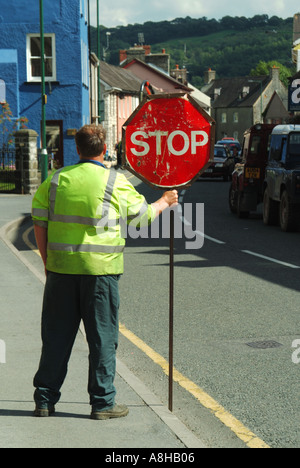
(288, 218)
(241, 214)
(270, 210)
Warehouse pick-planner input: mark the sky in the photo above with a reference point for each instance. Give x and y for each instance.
(123, 12)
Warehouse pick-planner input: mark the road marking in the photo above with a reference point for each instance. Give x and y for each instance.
(238, 428)
(242, 432)
(29, 244)
(270, 259)
(198, 233)
(216, 241)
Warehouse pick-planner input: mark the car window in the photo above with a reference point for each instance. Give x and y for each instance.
(294, 148)
(220, 153)
(255, 144)
(276, 147)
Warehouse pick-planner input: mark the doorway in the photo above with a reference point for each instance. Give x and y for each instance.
(55, 143)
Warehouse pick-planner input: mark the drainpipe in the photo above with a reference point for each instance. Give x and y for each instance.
(44, 155)
(98, 53)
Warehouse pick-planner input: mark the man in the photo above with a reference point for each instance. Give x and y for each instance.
(77, 214)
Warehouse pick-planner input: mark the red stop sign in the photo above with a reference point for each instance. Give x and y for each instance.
(168, 141)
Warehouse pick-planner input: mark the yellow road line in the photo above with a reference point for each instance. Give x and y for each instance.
(242, 432)
(29, 244)
(238, 428)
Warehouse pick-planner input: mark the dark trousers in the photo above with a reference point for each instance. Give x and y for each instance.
(67, 300)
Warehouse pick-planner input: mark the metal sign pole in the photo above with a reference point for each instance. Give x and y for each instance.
(171, 313)
(160, 116)
(44, 155)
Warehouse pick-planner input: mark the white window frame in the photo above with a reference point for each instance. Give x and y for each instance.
(86, 15)
(2, 91)
(85, 64)
(37, 79)
(224, 117)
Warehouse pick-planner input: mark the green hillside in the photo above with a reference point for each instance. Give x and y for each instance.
(230, 53)
(231, 46)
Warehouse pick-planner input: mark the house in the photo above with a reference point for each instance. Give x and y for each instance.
(239, 103)
(296, 41)
(120, 92)
(155, 68)
(66, 67)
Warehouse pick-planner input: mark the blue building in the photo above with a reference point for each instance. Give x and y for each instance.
(66, 64)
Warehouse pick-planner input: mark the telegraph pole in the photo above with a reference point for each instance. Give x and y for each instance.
(44, 155)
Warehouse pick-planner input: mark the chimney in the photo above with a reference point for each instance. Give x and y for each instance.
(274, 75)
(180, 75)
(147, 49)
(296, 27)
(161, 60)
(123, 55)
(209, 76)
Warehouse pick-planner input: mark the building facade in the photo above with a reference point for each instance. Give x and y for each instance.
(120, 92)
(66, 68)
(239, 103)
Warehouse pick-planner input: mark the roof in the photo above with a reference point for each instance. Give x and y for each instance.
(285, 129)
(120, 79)
(231, 91)
(159, 71)
(202, 98)
(295, 77)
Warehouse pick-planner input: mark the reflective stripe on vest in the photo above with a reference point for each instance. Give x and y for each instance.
(90, 248)
(40, 213)
(95, 222)
(102, 222)
(82, 219)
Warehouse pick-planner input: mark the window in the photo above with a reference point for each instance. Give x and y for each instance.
(86, 10)
(224, 117)
(34, 72)
(2, 91)
(236, 117)
(294, 146)
(255, 144)
(85, 64)
(277, 145)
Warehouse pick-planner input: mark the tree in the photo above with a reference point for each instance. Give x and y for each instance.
(263, 68)
(9, 125)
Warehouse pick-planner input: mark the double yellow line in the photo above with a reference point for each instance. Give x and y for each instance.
(242, 432)
(250, 439)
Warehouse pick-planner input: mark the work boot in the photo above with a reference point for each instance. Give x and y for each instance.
(44, 412)
(118, 411)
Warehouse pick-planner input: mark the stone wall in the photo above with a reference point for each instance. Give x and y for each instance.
(27, 180)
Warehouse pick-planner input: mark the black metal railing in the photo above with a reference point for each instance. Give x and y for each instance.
(8, 170)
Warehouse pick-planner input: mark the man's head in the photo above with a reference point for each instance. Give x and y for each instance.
(90, 141)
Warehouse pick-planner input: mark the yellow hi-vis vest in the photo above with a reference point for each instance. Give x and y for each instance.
(83, 208)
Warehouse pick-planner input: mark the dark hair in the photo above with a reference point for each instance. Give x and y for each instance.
(90, 140)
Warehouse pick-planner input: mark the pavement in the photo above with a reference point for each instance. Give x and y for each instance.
(149, 424)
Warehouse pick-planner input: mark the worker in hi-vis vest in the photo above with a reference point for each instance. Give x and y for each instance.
(78, 214)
